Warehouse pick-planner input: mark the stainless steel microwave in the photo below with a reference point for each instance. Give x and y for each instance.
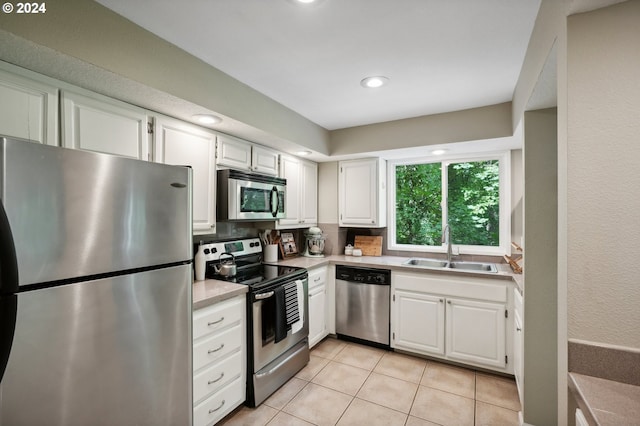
(250, 196)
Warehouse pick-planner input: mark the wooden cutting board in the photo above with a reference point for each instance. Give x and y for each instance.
(371, 246)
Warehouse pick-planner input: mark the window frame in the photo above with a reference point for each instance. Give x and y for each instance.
(504, 158)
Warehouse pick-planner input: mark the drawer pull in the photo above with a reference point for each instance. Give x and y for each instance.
(209, 324)
(210, 382)
(210, 351)
(213, 410)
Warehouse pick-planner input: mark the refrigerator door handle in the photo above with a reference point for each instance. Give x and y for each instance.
(8, 311)
(8, 258)
(8, 288)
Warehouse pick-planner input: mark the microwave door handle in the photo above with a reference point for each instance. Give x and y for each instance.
(274, 193)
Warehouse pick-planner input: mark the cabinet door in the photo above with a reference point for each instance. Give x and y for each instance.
(104, 125)
(28, 109)
(264, 160)
(358, 192)
(518, 352)
(418, 322)
(476, 332)
(233, 152)
(290, 170)
(183, 144)
(308, 193)
(317, 323)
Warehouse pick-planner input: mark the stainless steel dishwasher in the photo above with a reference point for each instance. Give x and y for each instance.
(362, 304)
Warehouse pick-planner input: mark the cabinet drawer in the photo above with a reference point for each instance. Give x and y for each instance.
(218, 316)
(212, 379)
(216, 346)
(219, 404)
(317, 277)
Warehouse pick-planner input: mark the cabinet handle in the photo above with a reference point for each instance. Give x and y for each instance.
(216, 409)
(441, 300)
(373, 221)
(518, 329)
(449, 301)
(316, 279)
(209, 324)
(210, 351)
(210, 382)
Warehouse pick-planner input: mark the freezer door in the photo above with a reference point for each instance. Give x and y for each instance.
(106, 352)
(76, 213)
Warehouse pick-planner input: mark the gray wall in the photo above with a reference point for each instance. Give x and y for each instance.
(488, 122)
(540, 267)
(604, 175)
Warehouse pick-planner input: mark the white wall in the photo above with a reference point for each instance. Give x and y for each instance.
(604, 175)
(517, 189)
(328, 192)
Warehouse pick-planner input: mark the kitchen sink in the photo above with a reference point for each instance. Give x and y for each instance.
(443, 264)
(473, 266)
(427, 263)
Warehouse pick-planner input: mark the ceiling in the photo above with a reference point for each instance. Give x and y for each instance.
(439, 55)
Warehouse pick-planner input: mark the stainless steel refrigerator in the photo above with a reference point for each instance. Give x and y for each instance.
(95, 289)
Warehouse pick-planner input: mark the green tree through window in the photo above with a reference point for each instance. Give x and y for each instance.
(472, 203)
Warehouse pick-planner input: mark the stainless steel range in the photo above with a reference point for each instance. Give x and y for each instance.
(277, 314)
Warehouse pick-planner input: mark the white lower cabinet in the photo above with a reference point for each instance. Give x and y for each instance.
(518, 343)
(462, 319)
(476, 332)
(318, 329)
(419, 322)
(219, 360)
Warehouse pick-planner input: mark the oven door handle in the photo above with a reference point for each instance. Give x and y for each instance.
(262, 296)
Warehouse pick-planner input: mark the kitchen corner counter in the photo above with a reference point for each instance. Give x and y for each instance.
(606, 402)
(208, 292)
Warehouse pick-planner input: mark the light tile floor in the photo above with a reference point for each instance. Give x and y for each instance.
(350, 384)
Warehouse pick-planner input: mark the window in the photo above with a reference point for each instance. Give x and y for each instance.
(468, 193)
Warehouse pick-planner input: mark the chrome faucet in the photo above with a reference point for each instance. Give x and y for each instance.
(446, 238)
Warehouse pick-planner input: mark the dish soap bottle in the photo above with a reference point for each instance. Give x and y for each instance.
(200, 263)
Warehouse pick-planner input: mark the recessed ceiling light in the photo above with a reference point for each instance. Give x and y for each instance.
(439, 151)
(374, 82)
(306, 1)
(304, 153)
(206, 118)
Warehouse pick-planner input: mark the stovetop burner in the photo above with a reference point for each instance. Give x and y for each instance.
(250, 270)
(261, 275)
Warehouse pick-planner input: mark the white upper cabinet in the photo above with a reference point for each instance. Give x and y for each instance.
(28, 109)
(184, 144)
(97, 123)
(301, 203)
(234, 153)
(242, 155)
(264, 160)
(362, 193)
